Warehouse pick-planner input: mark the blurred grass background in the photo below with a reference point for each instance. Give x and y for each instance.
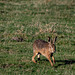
(22, 22)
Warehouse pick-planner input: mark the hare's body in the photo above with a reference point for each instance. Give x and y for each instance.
(45, 48)
(41, 46)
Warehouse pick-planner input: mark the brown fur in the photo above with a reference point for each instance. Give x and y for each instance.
(45, 48)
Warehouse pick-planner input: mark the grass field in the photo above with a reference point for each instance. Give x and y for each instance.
(22, 22)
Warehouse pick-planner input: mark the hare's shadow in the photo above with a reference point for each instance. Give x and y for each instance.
(65, 62)
(62, 62)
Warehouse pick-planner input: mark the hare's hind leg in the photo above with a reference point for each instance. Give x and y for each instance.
(38, 56)
(34, 57)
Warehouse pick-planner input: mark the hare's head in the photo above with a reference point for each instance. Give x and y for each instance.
(52, 47)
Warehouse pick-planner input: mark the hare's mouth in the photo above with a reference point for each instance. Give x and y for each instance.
(53, 51)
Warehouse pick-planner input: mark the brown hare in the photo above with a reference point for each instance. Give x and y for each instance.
(45, 48)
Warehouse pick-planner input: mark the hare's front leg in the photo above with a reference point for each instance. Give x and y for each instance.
(53, 59)
(48, 57)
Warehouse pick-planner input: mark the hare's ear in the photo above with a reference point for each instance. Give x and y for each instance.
(49, 39)
(54, 39)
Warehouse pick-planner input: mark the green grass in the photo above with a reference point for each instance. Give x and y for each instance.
(31, 20)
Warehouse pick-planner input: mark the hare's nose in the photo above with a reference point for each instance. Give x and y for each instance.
(54, 51)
